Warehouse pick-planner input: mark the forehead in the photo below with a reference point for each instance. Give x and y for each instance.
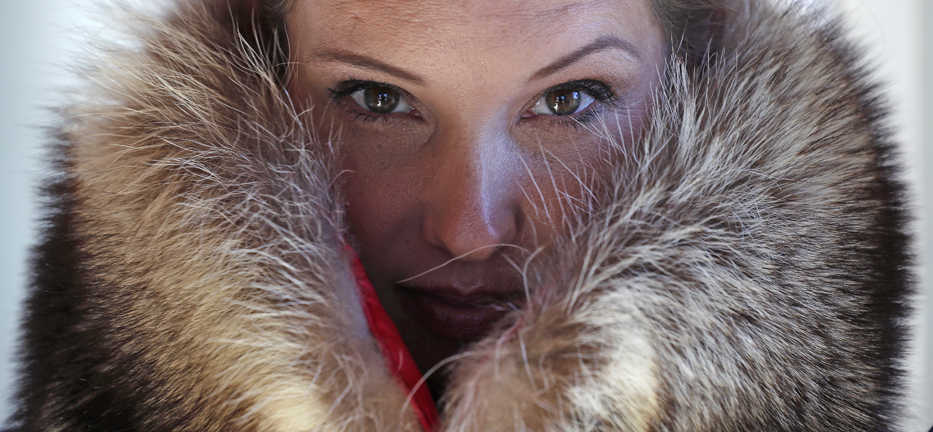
(508, 10)
(418, 25)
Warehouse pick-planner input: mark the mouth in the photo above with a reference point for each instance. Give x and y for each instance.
(446, 312)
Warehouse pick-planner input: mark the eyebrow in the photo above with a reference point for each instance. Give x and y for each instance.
(365, 62)
(600, 44)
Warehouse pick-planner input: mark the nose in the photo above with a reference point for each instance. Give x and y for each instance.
(471, 208)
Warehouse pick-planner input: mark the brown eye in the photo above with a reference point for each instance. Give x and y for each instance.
(563, 101)
(380, 99)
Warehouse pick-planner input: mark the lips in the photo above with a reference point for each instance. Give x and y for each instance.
(449, 313)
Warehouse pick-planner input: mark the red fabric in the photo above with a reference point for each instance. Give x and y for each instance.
(396, 353)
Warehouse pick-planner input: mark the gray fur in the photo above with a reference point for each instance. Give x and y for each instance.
(743, 267)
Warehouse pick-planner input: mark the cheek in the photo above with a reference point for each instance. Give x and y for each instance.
(569, 166)
(562, 172)
(378, 195)
(381, 189)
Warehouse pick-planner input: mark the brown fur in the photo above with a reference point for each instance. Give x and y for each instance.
(742, 268)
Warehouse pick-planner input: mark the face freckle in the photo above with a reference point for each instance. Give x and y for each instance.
(462, 158)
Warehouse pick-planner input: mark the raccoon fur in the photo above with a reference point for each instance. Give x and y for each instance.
(744, 268)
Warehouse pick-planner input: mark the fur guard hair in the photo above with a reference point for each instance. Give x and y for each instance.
(743, 269)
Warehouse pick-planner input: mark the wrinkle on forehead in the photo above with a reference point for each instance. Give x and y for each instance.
(429, 11)
(517, 9)
(448, 24)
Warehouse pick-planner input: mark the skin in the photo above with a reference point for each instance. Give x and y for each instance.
(468, 173)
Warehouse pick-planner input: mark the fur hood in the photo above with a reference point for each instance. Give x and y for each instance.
(743, 269)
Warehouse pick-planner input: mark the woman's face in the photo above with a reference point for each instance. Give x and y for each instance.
(463, 129)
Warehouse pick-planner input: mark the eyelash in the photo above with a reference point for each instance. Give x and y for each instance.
(600, 92)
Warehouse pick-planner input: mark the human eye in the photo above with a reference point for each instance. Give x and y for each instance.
(572, 99)
(373, 99)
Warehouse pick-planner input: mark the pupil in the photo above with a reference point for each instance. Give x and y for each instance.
(563, 102)
(381, 100)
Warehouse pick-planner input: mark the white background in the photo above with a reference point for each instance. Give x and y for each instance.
(37, 39)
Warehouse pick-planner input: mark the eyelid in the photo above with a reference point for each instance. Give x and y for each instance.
(600, 91)
(348, 86)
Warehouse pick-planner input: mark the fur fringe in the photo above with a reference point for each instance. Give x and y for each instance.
(743, 268)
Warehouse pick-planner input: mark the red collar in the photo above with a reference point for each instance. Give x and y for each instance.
(398, 359)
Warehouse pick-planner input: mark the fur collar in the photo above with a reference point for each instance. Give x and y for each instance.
(743, 269)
